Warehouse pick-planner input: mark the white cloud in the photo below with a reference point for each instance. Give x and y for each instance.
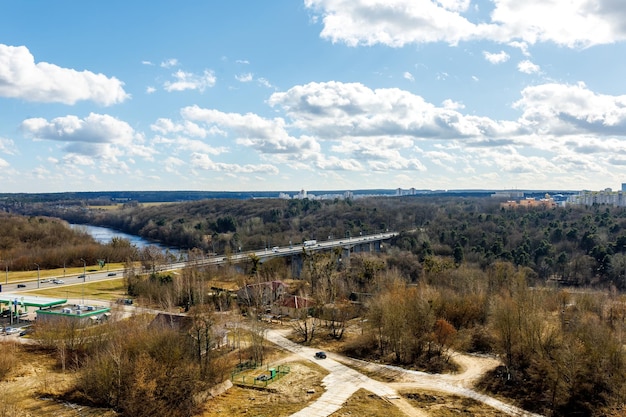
(22, 78)
(522, 46)
(95, 136)
(7, 146)
(244, 78)
(408, 76)
(167, 126)
(150, 90)
(397, 23)
(4, 164)
(95, 128)
(333, 163)
(265, 83)
(497, 58)
(171, 164)
(169, 63)
(264, 135)
(333, 127)
(527, 67)
(452, 105)
(203, 161)
(563, 109)
(146, 63)
(189, 81)
(335, 110)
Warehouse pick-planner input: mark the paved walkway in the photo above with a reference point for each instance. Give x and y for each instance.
(343, 381)
(340, 383)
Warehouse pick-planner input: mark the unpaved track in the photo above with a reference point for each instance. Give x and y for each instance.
(343, 381)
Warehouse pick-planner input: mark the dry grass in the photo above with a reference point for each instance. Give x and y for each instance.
(441, 405)
(33, 386)
(110, 290)
(281, 398)
(364, 403)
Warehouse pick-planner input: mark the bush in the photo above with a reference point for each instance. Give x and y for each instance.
(7, 359)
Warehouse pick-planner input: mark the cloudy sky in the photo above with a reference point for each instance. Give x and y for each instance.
(314, 94)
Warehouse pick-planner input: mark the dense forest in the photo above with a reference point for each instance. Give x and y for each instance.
(575, 245)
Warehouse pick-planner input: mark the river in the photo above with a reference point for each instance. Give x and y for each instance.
(104, 235)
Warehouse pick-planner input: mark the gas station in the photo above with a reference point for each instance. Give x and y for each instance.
(18, 304)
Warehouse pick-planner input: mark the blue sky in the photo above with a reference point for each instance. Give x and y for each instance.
(313, 94)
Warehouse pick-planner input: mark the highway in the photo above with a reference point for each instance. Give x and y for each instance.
(266, 253)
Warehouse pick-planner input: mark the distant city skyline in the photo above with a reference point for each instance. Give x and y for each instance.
(312, 94)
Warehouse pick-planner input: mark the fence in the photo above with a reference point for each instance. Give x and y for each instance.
(267, 376)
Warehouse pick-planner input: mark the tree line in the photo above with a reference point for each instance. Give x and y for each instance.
(27, 241)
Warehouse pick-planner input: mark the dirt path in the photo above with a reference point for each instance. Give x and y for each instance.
(344, 380)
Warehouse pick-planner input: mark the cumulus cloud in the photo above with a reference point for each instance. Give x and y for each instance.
(522, 46)
(95, 136)
(452, 105)
(95, 128)
(334, 110)
(22, 78)
(564, 109)
(265, 135)
(528, 67)
(202, 161)
(335, 127)
(166, 126)
(150, 90)
(496, 58)
(397, 23)
(408, 76)
(189, 81)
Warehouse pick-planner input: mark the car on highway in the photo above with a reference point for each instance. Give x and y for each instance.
(21, 285)
(81, 276)
(111, 274)
(320, 355)
(58, 281)
(45, 281)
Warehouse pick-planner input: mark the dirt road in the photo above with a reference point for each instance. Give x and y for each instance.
(343, 381)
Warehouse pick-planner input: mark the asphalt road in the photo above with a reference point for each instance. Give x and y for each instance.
(276, 251)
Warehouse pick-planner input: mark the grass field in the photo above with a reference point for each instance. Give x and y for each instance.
(110, 290)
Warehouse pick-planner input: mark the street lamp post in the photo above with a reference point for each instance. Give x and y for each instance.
(84, 269)
(38, 281)
(84, 278)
